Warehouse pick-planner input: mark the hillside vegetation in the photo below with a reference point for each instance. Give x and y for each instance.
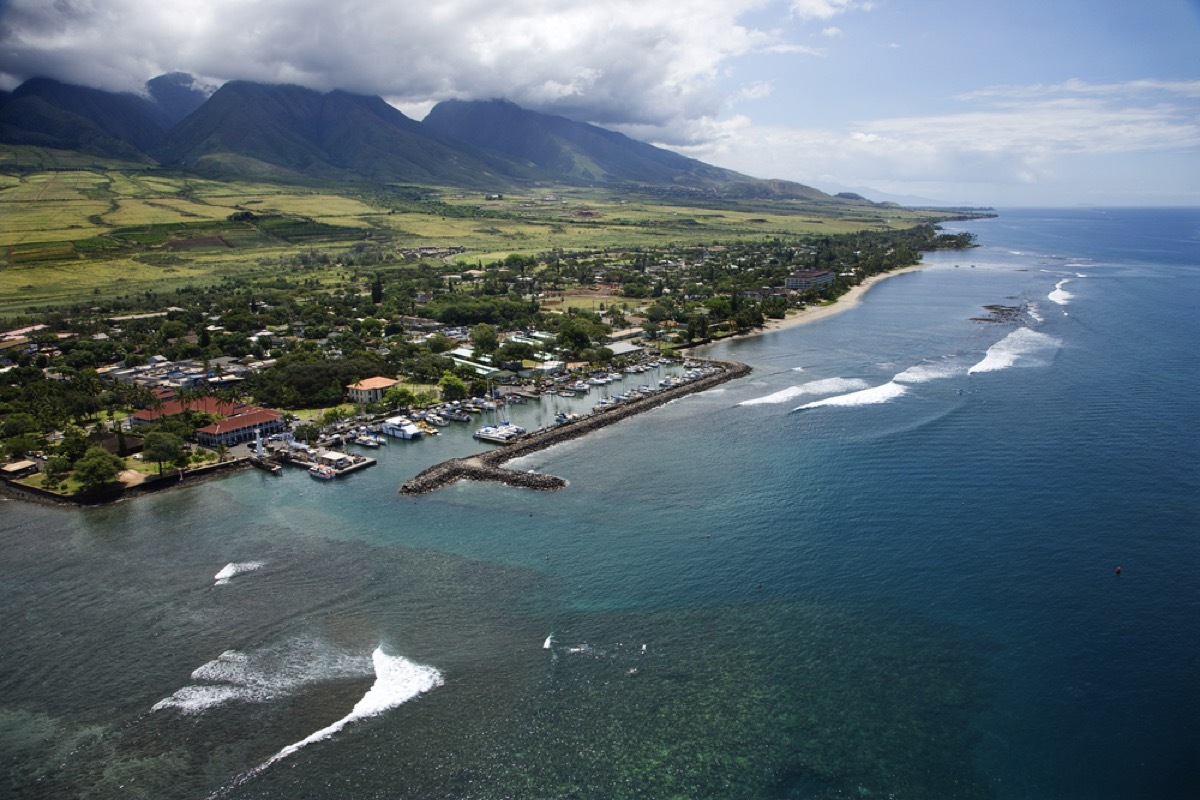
(70, 229)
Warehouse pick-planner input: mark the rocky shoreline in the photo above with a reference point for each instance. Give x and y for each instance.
(489, 466)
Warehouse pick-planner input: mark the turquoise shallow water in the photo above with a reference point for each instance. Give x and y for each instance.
(907, 588)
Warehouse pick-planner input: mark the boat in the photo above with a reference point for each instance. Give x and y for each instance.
(566, 393)
(457, 415)
(322, 472)
(401, 428)
(434, 418)
(366, 440)
(498, 434)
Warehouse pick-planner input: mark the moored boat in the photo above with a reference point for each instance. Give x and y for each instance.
(322, 472)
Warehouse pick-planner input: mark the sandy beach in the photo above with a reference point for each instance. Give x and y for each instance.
(814, 313)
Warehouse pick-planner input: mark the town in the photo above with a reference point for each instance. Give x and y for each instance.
(159, 383)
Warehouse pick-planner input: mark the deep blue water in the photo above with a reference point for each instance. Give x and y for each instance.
(906, 589)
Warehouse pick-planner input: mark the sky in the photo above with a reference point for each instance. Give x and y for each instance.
(980, 102)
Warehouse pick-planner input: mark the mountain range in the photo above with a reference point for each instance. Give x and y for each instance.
(254, 130)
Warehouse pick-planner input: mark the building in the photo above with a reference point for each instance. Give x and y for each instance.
(172, 407)
(808, 279)
(244, 427)
(370, 390)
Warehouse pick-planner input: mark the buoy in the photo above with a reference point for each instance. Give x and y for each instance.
(1118, 570)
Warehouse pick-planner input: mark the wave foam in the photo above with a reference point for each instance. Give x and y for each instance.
(1061, 295)
(263, 675)
(865, 397)
(236, 568)
(397, 680)
(1018, 345)
(824, 386)
(923, 373)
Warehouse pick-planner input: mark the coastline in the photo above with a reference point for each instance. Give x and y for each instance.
(812, 314)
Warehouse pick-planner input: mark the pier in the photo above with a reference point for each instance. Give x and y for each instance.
(489, 466)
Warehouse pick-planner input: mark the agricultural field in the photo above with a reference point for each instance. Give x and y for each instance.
(71, 234)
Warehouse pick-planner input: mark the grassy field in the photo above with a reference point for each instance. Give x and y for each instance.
(70, 232)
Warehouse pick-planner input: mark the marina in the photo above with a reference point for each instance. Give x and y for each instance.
(489, 466)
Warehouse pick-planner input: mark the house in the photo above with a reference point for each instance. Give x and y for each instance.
(808, 279)
(370, 390)
(244, 427)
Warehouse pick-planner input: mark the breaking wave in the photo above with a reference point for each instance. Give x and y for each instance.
(397, 680)
(1061, 295)
(1019, 345)
(236, 568)
(264, 675)
(824, 386)
(865, 397)
(930, 371)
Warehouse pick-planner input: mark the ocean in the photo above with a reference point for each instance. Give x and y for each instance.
(883, 565)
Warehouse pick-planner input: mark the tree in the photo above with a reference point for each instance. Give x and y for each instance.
(18, 424)
(162, 447)
(398, 397)
(74, 443)
(453, 387)
(485, 339)
(307, 432)
(18, 446)
(97, 469)
(55, 469)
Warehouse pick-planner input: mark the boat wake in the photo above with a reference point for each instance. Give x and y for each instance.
(234, 569)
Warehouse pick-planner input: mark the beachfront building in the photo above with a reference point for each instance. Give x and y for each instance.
(244, 427)
(808, 279)
(169, 406)
(370, 390)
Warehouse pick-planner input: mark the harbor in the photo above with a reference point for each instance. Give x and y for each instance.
(489, 466)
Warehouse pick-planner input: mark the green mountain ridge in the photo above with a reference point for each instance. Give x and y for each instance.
(293, 132)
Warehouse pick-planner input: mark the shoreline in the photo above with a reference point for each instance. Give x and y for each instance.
(811, 314)
(488, 466)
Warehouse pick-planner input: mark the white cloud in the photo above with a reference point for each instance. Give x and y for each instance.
(756, 91)
(832, 32)
(1044, 139)
(607, 61)
(824, 9)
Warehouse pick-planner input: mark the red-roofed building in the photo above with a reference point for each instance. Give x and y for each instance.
(202, 405)
(243, 427)
(370, 390)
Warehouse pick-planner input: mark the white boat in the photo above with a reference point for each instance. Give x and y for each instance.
(498, 434)
(401, 428)
(322, 472)
(437, 419)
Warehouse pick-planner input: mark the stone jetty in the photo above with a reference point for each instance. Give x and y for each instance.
(489, 466)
